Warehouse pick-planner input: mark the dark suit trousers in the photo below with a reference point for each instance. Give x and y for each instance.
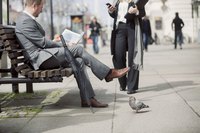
(125, 39)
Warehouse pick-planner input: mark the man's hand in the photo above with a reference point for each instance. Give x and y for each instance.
(133, 10)
(56, 38)
(111, 9)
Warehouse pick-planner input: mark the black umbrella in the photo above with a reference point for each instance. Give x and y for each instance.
(77, 73)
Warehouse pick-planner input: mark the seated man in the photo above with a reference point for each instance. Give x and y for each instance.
(39, 51)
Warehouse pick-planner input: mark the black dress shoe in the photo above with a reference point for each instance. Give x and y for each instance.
(122, 89)
(131, 92)
(94, 103)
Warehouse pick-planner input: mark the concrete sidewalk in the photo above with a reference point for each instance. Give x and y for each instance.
(169, 84)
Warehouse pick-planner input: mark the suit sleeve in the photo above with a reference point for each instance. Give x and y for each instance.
(32, 33)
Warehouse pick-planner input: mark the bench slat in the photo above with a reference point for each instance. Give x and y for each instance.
(25, 72)
(34, 74)
(53, 72)
(8, 42)
(66, 72)
(11, 49)
(6, 31)
(44, 74)
(22, 67)
(17, 61)
(7, 26)
(13, 46)
(13, 55)
(7, 36)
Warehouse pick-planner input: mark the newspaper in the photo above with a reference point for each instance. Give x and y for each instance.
(72, 38)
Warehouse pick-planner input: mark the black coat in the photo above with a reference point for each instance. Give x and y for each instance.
(95, 28)
(130, 17)
(146, 26)
(130, 20)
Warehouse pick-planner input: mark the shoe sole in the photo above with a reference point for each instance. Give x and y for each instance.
(124, 73)
(87, 106)
(132, 92)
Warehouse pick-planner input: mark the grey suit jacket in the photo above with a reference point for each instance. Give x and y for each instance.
(32, 38)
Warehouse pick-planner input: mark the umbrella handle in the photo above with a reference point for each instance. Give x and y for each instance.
(76, 71)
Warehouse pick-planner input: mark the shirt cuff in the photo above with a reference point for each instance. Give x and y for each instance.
(137, 13)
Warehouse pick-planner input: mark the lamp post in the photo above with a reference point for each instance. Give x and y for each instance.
(195, 16)
(195, 7)
(8, 12)
(51, 17)
(1, 12)
(164, 7)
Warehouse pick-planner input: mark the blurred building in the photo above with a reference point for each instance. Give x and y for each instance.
(162, 12)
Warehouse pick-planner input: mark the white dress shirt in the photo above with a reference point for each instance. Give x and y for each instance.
(122, 11)
(29, 14)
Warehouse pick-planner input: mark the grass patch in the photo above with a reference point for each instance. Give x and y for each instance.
(13, 111)
(34, 95)
(20, 112)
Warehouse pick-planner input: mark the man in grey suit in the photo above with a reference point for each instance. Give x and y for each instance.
(39, 51)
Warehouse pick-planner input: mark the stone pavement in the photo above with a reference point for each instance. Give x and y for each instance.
(169, 84)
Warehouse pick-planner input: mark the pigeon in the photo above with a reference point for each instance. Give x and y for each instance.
(136, 105)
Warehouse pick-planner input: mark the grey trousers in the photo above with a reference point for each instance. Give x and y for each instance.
(125, 39)
(83, 59)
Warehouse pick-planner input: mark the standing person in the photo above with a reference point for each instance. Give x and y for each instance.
(85, 36)
(156, 38)
(103, 36)
(177, 25)
(146, 31)
(95, 32)
(41, 53)
(127, 36)
(85, 40)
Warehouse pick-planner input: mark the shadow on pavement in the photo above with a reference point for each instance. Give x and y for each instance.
(168, 85)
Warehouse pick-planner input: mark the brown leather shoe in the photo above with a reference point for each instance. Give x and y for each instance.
(116, 73)
(94, 103)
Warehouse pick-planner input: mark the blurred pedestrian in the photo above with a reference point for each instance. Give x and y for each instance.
(85, 36)
(156, 38)
(95, 32)
(177, 25)
(127, 37)
(146, 32)
(103, 36)
(85, 40)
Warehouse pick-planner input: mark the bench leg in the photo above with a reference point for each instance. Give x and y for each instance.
(15, 88)
(0, 107)
(29, 87)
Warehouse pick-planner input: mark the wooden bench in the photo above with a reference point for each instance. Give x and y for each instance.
(21, 72)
